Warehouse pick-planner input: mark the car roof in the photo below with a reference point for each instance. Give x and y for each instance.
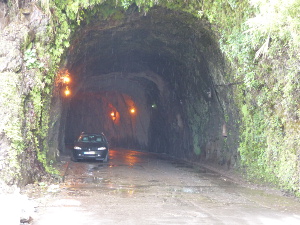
(83, 133)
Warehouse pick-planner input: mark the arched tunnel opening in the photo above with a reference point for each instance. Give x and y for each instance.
(203, 78)
(162, 64)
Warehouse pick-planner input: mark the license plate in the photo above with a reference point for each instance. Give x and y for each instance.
(89, 153)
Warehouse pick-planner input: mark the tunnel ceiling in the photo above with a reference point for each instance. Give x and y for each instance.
(160, 41)
(164, 58)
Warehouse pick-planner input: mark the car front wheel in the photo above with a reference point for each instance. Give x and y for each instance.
(74, 159)
(106, 158)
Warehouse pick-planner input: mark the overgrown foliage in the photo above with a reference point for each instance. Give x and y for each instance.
(264, 53)
(11, 100)
(260, 40)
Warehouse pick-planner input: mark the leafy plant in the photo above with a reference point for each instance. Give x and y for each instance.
(31, 60)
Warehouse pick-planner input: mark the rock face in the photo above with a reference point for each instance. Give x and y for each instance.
(4, 19)
(18, 156)
(166, 65)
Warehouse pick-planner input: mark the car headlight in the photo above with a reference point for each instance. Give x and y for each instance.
(77, 148)
(102, 148)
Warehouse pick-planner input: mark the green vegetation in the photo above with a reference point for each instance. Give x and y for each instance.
(260, 40)
(11, 122)
(197, 121)
(31, 60)
(263, 51)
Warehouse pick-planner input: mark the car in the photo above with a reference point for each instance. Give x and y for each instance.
(91, 146)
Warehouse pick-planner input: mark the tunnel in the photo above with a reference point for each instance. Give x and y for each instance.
(148, 81)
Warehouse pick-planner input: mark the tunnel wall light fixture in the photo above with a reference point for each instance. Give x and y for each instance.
(67, 91)
(132, 110)
(64, 80)
(64, 77)
(113, 115)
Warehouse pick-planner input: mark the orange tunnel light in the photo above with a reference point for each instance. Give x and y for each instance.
(132, 110)
(66, 79)
(67, 91)
(113, 115)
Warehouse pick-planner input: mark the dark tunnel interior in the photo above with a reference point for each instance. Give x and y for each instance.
(161, 65)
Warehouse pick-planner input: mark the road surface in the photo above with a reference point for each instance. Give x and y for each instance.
(139, 188)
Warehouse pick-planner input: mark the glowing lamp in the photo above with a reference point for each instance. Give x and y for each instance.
(113, 116)
(67, 91)
(66, 79)
(132, 110)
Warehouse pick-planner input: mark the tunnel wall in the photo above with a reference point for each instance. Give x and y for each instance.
(25, 89)
(182, 51)
(91, 112)
(173, 54)
(35, 45)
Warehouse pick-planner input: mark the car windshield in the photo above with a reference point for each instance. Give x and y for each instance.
(90, 138)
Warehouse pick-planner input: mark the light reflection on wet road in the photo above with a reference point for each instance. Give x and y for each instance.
(141, 188)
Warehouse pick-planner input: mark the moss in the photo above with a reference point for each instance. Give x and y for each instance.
(265, 148)
(197, 112)
(263, 59)
(11, 124)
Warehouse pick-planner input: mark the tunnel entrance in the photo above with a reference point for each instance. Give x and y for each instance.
(159, 64)
(120, 105)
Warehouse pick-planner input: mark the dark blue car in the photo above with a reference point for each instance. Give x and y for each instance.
(91, 146)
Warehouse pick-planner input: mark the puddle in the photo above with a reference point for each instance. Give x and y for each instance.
(96, 180)
(93, 168)
(193, 189)
(106, 187)
(103, 166)
(93, 182)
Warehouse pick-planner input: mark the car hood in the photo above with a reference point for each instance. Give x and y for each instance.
(90, 144)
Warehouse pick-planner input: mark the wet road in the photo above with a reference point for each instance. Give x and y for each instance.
(141, 188)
